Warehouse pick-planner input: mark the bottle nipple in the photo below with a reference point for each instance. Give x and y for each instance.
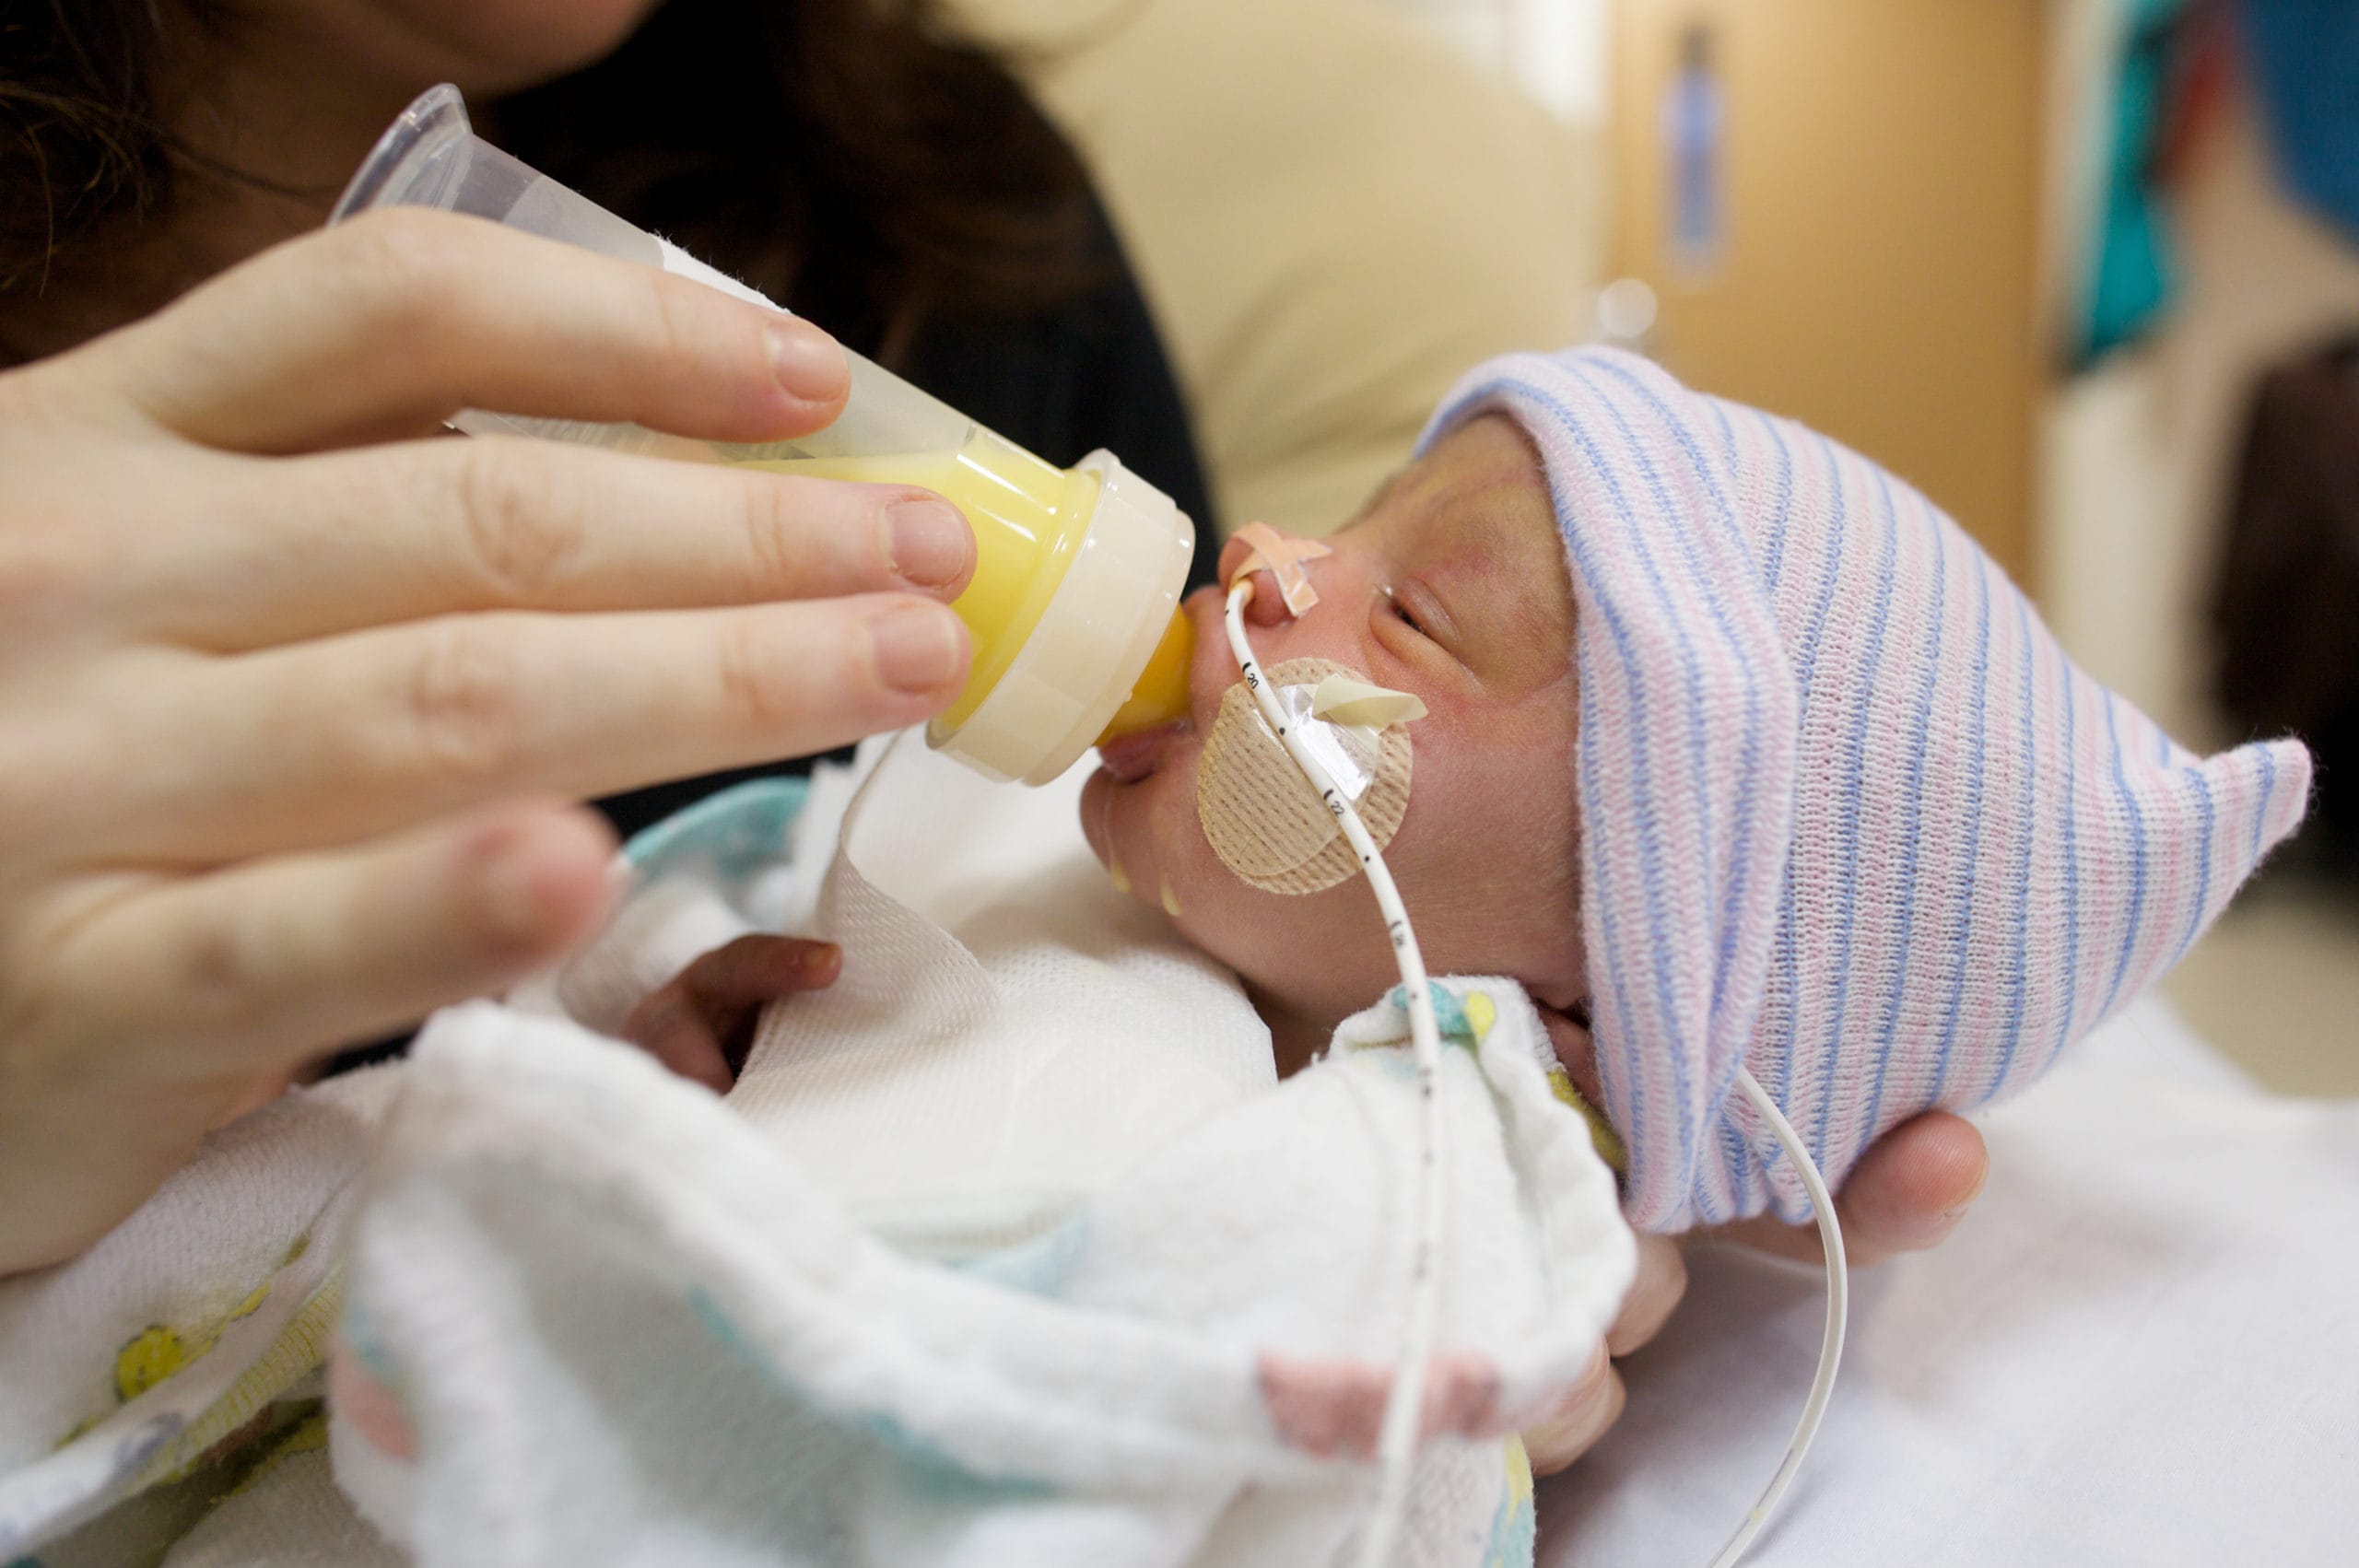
(1160, 695)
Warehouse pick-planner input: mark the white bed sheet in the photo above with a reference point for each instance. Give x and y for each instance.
(2142, 1347)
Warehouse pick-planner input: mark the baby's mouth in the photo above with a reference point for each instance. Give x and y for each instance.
(1136, 755)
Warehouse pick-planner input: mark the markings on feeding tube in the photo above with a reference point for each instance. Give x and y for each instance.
(1258, 759)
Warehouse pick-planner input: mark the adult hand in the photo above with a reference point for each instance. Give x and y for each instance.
(1906, 1193)
(292, 705)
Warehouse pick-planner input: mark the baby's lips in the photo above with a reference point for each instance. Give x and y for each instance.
(1135, 756)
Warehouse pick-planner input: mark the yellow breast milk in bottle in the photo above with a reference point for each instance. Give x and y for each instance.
(1075, 603)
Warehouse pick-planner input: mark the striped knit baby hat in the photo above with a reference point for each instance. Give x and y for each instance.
(1849, 815)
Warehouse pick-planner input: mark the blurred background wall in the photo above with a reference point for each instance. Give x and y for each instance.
(1874, 273)
(1335, 208)
(1881, 217)
(2139, 460)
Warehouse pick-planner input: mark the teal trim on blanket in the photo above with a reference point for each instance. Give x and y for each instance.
(926, 1469)
(1515, 1534)
(1039, 1267)
(1515, 1529)
(736, 833)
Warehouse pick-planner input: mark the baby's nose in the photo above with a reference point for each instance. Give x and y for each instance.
(1232, 559)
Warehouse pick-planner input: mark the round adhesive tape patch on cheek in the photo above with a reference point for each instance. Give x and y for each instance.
(1260, 814)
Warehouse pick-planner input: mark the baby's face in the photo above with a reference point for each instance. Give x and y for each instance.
(1479, 622)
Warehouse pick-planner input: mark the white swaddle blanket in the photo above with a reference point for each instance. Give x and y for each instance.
(1007, 1249)
(1009, 1032)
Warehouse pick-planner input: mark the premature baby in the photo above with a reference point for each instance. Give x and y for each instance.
(1732, 750)
(1044, 1234)
(1735, 750)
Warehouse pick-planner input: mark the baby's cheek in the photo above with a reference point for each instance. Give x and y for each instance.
(1321, 953)
(1273, 886)
(1213, 909)
(1263, 819)
(1486, 857)
(1324, 954)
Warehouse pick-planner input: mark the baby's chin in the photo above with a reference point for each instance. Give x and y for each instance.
(1286, 948)
(1097, 796)
(1112, 817)
(1142, 830)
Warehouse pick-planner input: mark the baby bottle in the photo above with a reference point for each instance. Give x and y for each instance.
(1075, 603)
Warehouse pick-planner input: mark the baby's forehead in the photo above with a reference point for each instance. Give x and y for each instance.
(1478, 493)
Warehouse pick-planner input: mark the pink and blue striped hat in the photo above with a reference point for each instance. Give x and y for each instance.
(1849, 816)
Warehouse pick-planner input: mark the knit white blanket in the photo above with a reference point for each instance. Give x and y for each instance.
(1008, 1249)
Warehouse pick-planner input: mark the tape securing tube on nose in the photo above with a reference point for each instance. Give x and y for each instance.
(1268, 550)
(1260, 814)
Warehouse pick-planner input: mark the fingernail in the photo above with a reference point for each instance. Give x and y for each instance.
(1921, 1232)
(819, 955)
(1955, 1212)
(807, 362)
(932, 544)
(919, 647)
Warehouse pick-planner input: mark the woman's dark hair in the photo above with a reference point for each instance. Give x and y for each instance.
(846, 157)
(84, 136)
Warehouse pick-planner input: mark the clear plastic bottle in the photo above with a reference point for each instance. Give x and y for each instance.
(1078, 572)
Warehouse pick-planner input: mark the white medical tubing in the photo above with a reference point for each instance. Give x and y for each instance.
(1838, 1305)
(1404, 1405)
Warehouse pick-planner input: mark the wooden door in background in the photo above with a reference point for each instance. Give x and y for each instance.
(1874, 273)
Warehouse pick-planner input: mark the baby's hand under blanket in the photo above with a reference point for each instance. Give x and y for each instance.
(700, 1024)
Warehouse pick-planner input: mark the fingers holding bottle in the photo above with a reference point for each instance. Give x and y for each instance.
(251, 703)
(277, 551)
(349, 737)
(385, 326)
